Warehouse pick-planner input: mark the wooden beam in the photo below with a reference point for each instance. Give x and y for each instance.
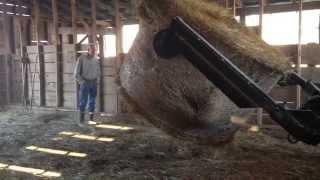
(119, 46)
(260, 110)
(234, 8)
(299, 59)
(8, 77)
(36, 18)
(276, 8)
(94, 21)
(119, 38)
(319, 31)
(56, 39)
(101, 83)
(74, 40)
(74, 21)
(243, 16)
(57, 43)
(261, 5)
(25, 71)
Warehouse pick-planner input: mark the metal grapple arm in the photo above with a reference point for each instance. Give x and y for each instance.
(180, 38)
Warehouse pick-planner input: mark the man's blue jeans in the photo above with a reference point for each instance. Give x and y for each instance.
(88, 92)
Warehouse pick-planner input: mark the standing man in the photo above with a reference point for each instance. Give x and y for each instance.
(87, 72)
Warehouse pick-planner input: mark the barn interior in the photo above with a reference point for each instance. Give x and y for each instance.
(40, 42)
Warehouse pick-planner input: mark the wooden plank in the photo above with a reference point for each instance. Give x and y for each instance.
(281, 7)
(243, 16)
(74, 38)
(50, 58)
(311, 54)
(68, 87)
(42, 76)
(51, 87)
(57, 43)
(55, 17)
(299, 60)
(74, 20)
(69, 100)
(234, 8)
(32, 49)
(110, 62)
(110, 86)
(311, 73)
(8, 78)
(49, 49)
(68, 67)
(119, 45)
(109, 72)
(101, 79)
(68, 78)
(111, 105)
(94, 21)
(286, 94)
(261, 6)
(50, 67)
(35, 19)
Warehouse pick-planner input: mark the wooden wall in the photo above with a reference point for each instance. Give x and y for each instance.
(3, 80)
(10, 80)
(49, 56)
(69, 84)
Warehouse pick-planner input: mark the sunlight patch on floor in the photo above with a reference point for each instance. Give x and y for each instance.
(33, 171)
(57, 152)
(107, 126)
(254, 129)
(86, 137)
(110, 126)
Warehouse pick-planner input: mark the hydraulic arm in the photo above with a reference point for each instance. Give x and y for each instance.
(181, 39)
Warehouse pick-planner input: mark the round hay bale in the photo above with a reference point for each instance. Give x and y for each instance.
(174, 95)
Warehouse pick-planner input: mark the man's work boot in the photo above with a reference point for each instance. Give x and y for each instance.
(81, 119)
(91, 116)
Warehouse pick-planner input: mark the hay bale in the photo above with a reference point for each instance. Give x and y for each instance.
(175, 96)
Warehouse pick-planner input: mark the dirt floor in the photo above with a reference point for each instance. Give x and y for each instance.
(47, 145)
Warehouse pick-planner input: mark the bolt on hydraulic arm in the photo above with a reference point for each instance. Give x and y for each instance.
(181, 39)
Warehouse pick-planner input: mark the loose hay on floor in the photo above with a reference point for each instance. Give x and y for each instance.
(146, 153)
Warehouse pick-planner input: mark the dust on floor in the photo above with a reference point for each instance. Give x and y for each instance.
(49, 145)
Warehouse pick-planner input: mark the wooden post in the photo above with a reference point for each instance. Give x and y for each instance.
(57, 43)
(260, 110)
(74, 21)
(36, 19)
(119, 46)
(74, 39)
(8, 77)
(319, 31)
(25, 72)
(261, 5)
(93, 39)
(101, 84)
(94, 21)
(234, 8)
(56, 39)
(243, 15)
(299, 60)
